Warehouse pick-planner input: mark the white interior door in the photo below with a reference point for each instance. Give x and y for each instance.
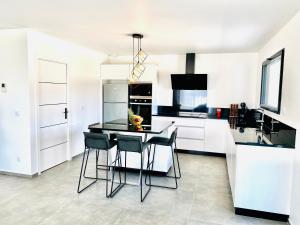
(53, 113)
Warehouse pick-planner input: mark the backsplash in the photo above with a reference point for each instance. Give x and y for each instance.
(278, 132)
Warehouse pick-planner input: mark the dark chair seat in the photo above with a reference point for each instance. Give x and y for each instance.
(128, 143)
(159, 141)
(112, 143)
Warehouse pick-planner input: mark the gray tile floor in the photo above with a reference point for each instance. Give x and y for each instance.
(203, 198)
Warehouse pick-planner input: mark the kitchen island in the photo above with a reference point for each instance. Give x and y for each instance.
(163, 156)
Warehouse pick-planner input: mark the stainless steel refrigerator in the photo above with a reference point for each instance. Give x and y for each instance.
(115, 101)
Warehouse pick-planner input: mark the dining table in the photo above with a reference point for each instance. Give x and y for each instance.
(158, 128)
(120, 125)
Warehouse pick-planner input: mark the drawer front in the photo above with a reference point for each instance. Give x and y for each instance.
(189, 122)
(189, 144)
(190, 132)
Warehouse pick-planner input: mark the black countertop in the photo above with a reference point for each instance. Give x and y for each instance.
(282, 136)
(117, 125)
(251, 136)
(193, 117)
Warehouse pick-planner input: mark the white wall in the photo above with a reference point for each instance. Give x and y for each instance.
(288, 37)
(14, 104)
(231, 77)
(19, 54)
(83, 67)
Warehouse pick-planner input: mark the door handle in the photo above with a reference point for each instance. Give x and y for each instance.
(66, 113)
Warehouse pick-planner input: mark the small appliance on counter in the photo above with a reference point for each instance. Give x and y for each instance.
(242, 121)
(233, 116)
(219, 113)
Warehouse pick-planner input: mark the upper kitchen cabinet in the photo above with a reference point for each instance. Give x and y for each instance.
(115, 71)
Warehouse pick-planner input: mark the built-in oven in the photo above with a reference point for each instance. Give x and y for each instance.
(140, 102)
(142, 107)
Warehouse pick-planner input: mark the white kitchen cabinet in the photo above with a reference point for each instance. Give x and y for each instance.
(215, 134)
(230, 149)
(190, 132)
(115, 72)
(263, 178)
(197, 134)
(197, 122)
(260, 176)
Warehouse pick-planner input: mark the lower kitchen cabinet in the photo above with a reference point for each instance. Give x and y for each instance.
(260, 178)
(197, 134)
(215, 135)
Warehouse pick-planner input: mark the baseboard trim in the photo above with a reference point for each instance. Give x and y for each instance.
(18, 174)
(193, 152)
(262, 214)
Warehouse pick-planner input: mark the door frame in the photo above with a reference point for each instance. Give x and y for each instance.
(37, 113)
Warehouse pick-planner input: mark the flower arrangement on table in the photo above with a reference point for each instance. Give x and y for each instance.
(135, 120)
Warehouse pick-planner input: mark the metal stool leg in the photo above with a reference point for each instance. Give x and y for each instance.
(116, 190)
(97, 157)
(107, 169)
(87, 159)
(178, 164)
(175, 175)
(83, 167)
(97, 168)
(125, 172)
(149, 165)
(141, 177)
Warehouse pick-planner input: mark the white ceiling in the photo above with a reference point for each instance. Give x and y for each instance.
(170, 26)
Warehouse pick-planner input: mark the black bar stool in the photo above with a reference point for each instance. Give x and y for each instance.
(97, 141)
(128, 143)
(165, 142)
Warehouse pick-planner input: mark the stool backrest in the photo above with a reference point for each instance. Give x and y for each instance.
(96, 140)
(129, 143)
(173, 137)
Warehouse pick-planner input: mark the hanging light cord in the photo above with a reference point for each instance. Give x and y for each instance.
(132, 54)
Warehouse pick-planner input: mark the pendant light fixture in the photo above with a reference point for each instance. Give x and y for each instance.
(138, 58)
